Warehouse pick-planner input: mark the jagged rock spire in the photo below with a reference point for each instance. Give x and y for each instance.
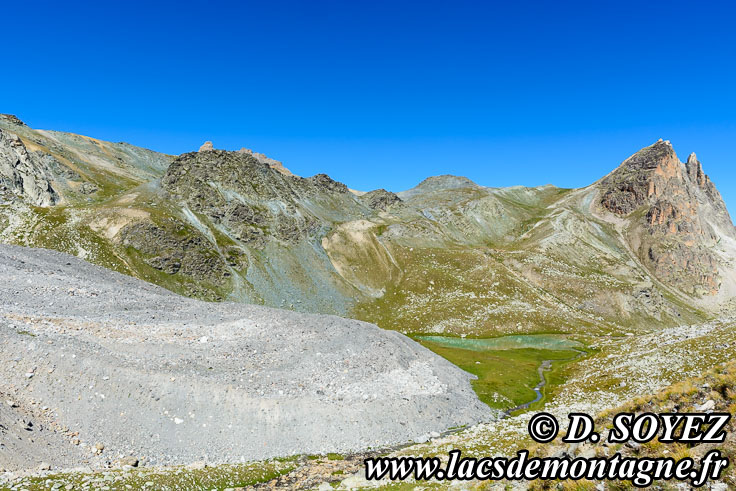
(684, 215)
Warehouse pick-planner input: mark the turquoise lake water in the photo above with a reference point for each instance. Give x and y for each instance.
(538, 341)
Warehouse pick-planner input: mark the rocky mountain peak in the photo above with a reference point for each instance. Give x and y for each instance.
(660, 156)
(206, 147)
(253, 201)
(274, 164)
(649, 173)
(12, 119)
(380, 199)
(683, 215)
(219, 224)
(438, 183)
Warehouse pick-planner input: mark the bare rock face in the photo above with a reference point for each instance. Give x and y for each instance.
(646, 174)
(702, 181)
(380, 199)
(274, 164)
(677, 216)
(12, 119)
(168, 248)
(22, 175)
(206, 147)
(255, 202)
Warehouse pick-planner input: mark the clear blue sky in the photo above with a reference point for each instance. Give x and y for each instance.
(383, 94)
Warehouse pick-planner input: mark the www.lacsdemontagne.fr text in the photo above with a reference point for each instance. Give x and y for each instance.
(640, 471)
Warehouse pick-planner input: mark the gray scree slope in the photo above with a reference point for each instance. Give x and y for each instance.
(151, 374)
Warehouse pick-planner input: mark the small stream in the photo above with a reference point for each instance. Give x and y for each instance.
(537, 341)
(546, 365)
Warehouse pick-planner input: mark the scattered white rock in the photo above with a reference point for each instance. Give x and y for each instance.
(706, 406)
(421, 439)
(253, 354)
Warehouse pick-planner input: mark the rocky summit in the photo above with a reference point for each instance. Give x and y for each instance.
(274, 164)
(681, 218)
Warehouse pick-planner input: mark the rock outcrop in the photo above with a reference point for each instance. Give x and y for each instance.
(274, 164)
(702, 181)
(380, 199)
(679, 217)
(12, 120)
(165, 248)
(206, 147)
(438, 183)
(22, 175)
(253, 201)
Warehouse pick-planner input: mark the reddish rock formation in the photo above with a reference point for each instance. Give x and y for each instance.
(677, 215)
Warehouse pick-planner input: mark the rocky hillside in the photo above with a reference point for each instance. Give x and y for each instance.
(676, 218)
(254, 202)
(633, 270)
(21, 175)
(711, 392)
(96, 367)
(649, 244)
(47, 168)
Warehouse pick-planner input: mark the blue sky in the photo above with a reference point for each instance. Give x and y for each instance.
(384, 94)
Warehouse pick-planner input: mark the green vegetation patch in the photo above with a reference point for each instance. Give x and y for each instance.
(507, 375)
(220, 477)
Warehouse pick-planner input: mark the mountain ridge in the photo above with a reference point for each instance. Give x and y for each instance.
(221, 225)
